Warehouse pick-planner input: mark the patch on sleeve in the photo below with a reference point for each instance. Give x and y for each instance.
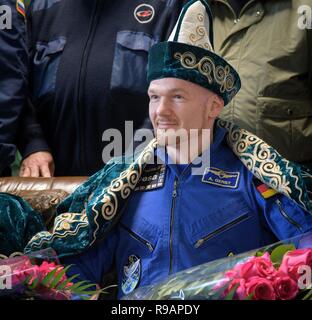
(152, 178)
(132, 274)
(20, 7)
(265, 191)
(144, 13)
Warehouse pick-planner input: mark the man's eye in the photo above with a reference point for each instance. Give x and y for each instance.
(153, 97)
(178, 97)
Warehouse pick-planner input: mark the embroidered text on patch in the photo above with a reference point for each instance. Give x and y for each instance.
(152, 178)
(221, 178)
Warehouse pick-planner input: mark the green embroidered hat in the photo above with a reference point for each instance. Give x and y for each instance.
(188, 54)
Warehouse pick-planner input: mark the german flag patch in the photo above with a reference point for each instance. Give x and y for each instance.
(265, 191)
(20, 7)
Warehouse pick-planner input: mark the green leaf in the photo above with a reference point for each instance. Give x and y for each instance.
(308, 296)
(259, 254)
(83, 288)
(279, 252)
(87, 295)
(34, 284)
(58, 277)
(230, 295)
(47, 279)
(62, 285)
(249, 297)
(92, 292)
(77, 285)
(27, 280)
(84, 297)
(104, 289)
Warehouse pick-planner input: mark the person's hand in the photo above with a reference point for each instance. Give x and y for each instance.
(38, 164)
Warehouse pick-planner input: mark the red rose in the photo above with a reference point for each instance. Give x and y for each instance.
(260, 288)
(285, 287)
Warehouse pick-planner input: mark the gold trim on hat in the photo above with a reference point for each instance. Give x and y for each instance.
(207, 67)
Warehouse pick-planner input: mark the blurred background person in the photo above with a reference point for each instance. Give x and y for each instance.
(13, 78)
(273, 55)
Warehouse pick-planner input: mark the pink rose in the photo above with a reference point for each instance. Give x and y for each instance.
(258, 267)
(234, 273)
(261, 288)
(285, 287)
(293, 260)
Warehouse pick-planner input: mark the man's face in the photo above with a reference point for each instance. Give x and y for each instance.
(178, 104)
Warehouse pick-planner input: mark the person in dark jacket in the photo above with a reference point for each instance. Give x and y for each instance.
(88, 74)
(13, 80)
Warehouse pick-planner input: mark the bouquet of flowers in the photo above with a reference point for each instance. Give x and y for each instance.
(281, 271)
(41, 276)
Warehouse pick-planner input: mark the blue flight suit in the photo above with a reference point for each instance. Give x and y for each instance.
(13, 81)
(176, 220)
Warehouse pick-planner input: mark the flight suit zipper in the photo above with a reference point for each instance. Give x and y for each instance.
(287, 217)
(229, 225)
(138, 238)
(173, 202)
(81, 81)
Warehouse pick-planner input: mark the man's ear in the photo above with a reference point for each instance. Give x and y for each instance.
(216, 107)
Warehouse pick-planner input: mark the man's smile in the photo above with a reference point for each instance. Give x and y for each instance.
(165, 124)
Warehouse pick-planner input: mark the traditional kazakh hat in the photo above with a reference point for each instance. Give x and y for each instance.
(188, 54)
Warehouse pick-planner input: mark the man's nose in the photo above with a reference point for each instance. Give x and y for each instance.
(163, 107)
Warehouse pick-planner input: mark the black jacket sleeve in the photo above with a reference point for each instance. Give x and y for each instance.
(13, 79)
(30, 137)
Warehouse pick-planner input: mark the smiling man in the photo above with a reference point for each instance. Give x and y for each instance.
(155, 217)
(183, 114)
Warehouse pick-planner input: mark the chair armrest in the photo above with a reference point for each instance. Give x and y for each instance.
(14, 184)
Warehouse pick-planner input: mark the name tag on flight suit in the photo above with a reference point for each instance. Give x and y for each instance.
(221, 178)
